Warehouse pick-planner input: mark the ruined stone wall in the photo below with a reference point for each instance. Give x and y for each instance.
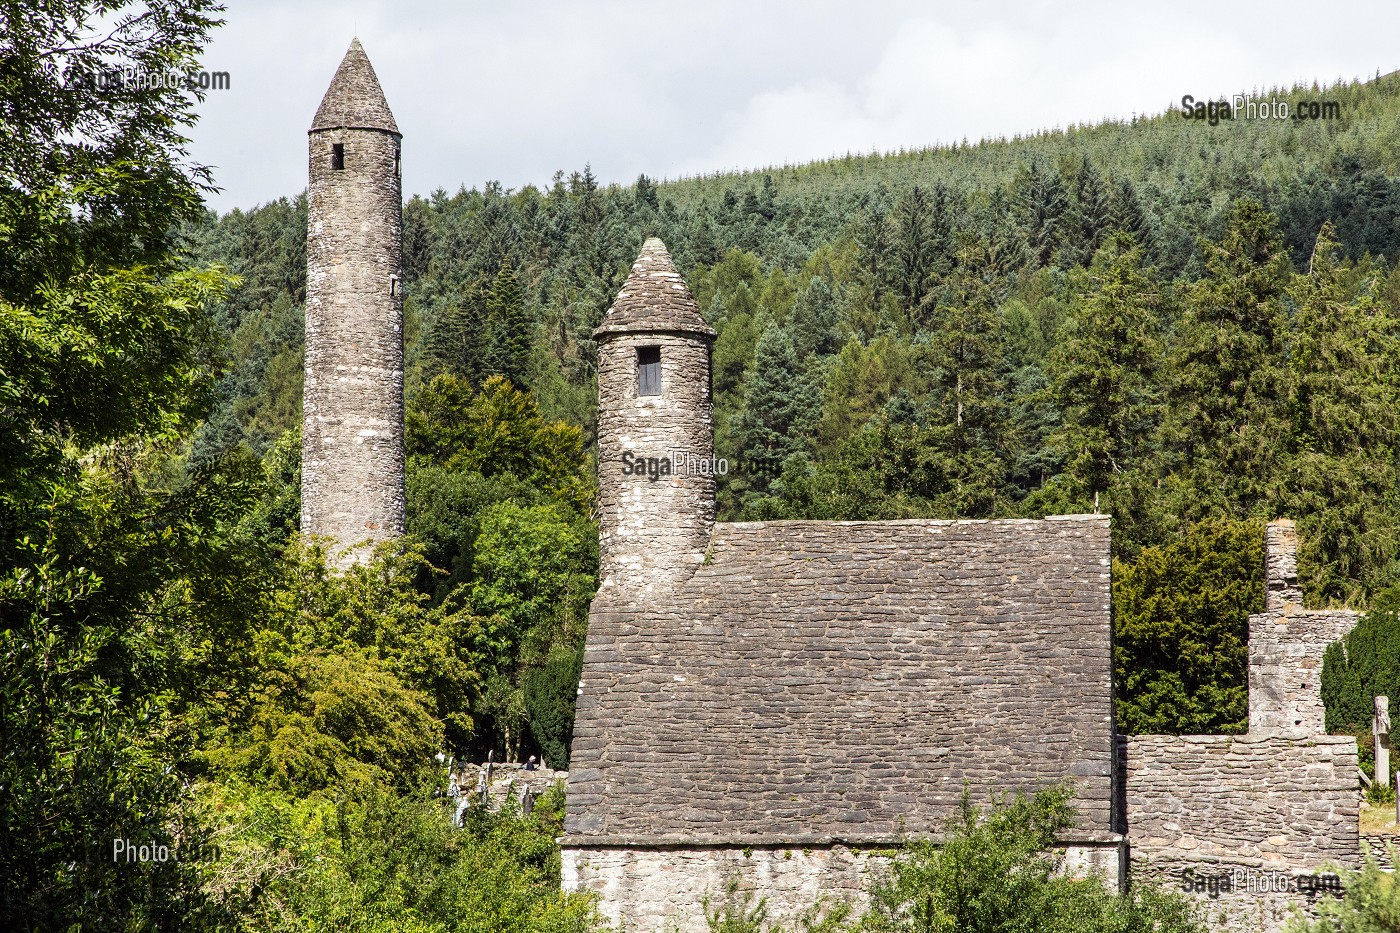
(352, 440)
(1285, 667)
(654, 531)
(1247, 822)
(1286, 644)
(1379, 846)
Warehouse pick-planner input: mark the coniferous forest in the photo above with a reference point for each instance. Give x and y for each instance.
(1192, 328)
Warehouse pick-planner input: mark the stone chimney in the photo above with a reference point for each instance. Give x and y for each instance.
(1281, 588)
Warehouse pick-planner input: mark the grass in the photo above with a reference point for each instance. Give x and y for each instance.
(1378, 819)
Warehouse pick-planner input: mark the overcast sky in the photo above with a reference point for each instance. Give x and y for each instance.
(513, 92)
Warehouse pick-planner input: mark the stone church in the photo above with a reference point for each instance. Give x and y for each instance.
(781, 703)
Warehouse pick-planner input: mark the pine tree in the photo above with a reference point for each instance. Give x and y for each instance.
(1126, 212)
(873, 238)
(965, 351)
(1226, 412)
(510, 328)
(1090, 212)
(1345, 429)
(1043, 205)
(813, 320)
(780, 409)
(458, 342)
(1103, 373)
(913, 246)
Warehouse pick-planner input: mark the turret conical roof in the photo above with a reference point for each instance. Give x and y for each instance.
(654, 299)
(354, 100)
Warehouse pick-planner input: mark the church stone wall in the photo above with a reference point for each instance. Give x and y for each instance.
(661, 889)
(1251, 824)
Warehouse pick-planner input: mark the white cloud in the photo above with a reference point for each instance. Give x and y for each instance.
(494, 91)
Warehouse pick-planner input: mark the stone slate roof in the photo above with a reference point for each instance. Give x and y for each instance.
(841, 681)
(654, 299)
(354, 100)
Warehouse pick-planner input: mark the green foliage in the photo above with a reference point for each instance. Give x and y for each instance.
(550, 692)
(1180, 628)
(386, 863)
(1103, 372)
(779, 410)
(499, 496)
(1345, 403)
(1229, 382)
(1361, 665)
(330, 721)
(497, 431)
(1371, 904)
(995, 871)
(509, 328)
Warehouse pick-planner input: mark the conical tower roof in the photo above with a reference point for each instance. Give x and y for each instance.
(354, 100)
(654, 299)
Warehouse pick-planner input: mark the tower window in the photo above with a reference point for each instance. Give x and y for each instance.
(393, 286)
(398, 169)
(338, 156)
(648, 370)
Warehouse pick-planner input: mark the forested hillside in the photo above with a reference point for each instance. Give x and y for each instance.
(1189, 326)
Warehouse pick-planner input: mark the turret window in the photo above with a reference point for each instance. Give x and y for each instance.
(648, 370)
(338, 157)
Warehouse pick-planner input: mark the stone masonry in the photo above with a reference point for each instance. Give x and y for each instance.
(352, 419)
(1251, 823)
(1286, 644)
(820, 680)
(1248, 822)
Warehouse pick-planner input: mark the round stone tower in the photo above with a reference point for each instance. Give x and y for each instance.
(352, 454)
(656, 467)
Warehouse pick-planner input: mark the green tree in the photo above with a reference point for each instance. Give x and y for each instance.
(1042, 208)
(965, 355)
(1371, 903)
(510, 328)
(459, 343)
(496, 431)
(915, 246)
(1345, 429)
(996, 870)
(1181, 629)
(1228, 387)
(779, 409)
(1103, 373)
(115, 576)
(813, 321)
(1090, 211)
(1361, 665)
